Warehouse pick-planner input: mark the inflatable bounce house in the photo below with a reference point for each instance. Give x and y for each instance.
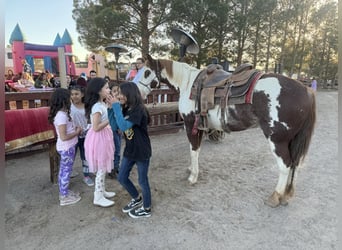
(40, 57)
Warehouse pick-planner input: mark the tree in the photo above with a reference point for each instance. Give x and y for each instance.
(206, 20)
(127, 22)
(301, 35)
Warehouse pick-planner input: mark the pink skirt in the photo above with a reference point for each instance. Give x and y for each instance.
(99, 149)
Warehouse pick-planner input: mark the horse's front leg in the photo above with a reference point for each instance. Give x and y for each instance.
(193, 165)
(195, 138)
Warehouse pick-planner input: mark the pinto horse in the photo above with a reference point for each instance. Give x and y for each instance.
(284, 109)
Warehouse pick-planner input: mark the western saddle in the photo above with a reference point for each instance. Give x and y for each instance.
(214, 86)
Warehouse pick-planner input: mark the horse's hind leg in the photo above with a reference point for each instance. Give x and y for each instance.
(290, 186)
(285, 186)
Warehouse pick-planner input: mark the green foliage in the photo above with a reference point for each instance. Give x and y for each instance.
(301, 35)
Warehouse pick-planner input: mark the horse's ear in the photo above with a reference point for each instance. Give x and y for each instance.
(149, 57)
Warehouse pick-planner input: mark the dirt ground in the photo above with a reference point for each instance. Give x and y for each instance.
(224, 210)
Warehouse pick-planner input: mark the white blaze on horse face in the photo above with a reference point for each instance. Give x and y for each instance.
(144, 84)
(271, 87)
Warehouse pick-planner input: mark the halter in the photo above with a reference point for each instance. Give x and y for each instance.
(148, 85)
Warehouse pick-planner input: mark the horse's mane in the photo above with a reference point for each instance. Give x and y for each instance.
(167, 65)
(178, 72)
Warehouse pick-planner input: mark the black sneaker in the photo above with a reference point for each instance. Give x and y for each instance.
(132, 204)
(140, 213)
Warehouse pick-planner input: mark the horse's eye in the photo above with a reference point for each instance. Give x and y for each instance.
(147, 73)
(154, 84)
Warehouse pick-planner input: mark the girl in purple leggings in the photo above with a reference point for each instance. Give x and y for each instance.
(67, 137)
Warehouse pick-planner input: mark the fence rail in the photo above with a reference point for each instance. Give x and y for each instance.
(162, 105)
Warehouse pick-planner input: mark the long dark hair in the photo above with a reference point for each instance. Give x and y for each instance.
(92, 95)
(60, 100)
(131, 91)
(78, 88)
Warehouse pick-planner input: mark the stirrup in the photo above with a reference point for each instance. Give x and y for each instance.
(203, 124)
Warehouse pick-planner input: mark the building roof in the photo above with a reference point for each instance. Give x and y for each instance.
(17, 35)
(66, 39)
(58, 40)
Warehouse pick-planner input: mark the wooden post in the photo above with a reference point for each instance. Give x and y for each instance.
(54, 162)
(62, 67)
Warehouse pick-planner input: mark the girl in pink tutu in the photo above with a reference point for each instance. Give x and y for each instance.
(99, 144)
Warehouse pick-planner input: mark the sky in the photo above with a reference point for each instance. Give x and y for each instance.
(41, 21)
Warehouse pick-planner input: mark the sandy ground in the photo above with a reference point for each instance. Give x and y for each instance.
(224, 210)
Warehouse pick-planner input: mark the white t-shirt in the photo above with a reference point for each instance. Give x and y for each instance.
(99, 107)
(138, 75)
(63, 119)
(79, 119)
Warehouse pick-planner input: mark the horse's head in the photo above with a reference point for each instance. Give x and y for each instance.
(147, 82)
(159, 67)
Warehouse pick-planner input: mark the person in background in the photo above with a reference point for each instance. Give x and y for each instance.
(69, 82)
(117, 134)
(41, 81)
(26, 79)
(107, 79)
(141, 68)
(17, 77)
(26, 67)
(133, 119)
(77, 113)
(132, 72)
(92, 74)
(314, 84)
(99, 142)
(67, 134)
(82, 80)
(50, 79)
(10, 75)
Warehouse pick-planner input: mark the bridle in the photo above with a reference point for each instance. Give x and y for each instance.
(157, 75)
(158, 72)
(146, 85)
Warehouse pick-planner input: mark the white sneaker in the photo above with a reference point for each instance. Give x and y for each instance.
(109, 194)
(101, 201)
(69, 199)
(70, 193)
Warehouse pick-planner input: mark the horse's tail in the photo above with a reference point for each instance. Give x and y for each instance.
(300, 144)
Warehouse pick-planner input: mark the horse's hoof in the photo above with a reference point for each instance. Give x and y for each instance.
(273, 200)
(284, 202)
(192, 180)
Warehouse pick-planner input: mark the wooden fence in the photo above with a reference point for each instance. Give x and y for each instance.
(162, 105)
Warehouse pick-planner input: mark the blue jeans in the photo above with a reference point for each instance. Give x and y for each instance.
(123, 178)
(80, 146)
(117, 144)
